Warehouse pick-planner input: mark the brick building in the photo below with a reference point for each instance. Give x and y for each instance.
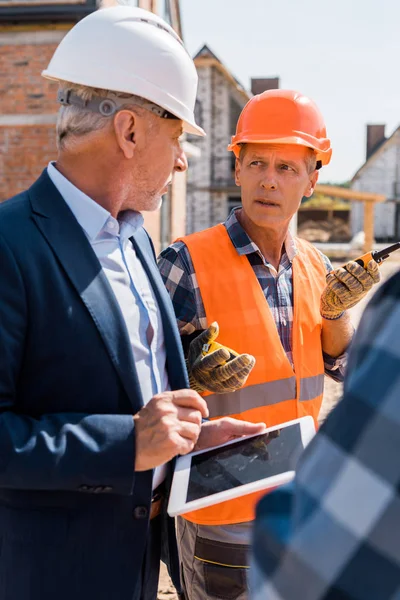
(381, 174)
(211, 191)
(29, 34)
(28, 37)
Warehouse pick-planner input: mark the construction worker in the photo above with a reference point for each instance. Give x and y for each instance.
(275, 297)
(93, 388)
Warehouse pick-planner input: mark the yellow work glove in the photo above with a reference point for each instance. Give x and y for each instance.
(216, 368)
(346, 286)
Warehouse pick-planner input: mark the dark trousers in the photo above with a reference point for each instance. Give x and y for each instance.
(151, 563)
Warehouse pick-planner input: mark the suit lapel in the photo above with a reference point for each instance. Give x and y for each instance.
(175, 360)
(69, 243)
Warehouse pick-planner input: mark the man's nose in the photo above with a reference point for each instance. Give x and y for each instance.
(269, 181)
(181, 163)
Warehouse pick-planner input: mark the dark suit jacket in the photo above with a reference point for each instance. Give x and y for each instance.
(73, 514)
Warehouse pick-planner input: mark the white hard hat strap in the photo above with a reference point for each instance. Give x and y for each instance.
(110, 104)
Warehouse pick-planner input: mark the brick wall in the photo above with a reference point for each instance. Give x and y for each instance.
(22, 89)
(24, 152)
(28, 107)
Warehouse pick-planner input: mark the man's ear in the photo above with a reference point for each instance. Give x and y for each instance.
(237, 172)
(125, 127)
(311, 184)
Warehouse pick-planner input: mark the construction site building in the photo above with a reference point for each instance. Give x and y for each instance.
(381, 174)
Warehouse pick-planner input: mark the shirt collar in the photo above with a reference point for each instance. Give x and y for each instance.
(243, 243)
(93, 218)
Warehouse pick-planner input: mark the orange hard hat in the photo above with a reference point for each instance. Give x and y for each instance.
(282, 117)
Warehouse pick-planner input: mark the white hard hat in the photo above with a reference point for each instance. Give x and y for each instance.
(130, 50)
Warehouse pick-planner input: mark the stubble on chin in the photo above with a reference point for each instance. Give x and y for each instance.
(154, 203)
(150, 203)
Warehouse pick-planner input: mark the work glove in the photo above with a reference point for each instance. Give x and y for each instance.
(346, 286)
(216, 368)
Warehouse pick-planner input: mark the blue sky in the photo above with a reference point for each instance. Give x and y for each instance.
(344, 54)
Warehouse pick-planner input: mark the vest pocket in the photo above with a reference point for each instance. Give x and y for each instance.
(224, 568)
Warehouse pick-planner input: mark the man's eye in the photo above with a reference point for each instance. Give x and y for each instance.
(286, 168)
(255, 163)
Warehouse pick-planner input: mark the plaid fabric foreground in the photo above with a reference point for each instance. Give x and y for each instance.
(334, 533)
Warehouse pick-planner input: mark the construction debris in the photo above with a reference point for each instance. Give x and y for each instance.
(334, 230)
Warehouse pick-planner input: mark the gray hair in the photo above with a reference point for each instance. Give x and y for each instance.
(311, 161)
(75, 121)
(310, 158)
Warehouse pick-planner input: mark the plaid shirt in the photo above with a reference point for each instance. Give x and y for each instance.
(178, 273)
(334, 534)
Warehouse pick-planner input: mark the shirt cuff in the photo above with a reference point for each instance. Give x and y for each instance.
(335, 367)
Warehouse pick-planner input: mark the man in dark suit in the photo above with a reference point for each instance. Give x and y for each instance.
(89, 350)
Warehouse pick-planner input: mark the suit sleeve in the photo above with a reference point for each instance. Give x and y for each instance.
(59, 451)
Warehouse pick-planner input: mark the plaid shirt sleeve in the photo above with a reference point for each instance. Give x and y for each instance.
(177, 271)
(333, 534)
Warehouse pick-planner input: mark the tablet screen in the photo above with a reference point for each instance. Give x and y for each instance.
(245, 461)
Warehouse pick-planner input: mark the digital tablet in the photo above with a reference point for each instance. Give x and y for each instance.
(239, 467)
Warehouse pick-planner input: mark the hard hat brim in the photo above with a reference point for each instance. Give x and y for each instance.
(323, 155)
(191, 127)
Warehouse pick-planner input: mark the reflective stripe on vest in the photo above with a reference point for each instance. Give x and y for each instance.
(311, 387)
(264, 394)
(275, 391)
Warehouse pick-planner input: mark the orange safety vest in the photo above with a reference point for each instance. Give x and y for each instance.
(275, 392)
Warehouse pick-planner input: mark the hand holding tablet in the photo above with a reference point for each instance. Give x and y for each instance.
(239, 467)
(220, 431)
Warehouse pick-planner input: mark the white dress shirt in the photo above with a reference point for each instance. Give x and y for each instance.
(110, 241)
